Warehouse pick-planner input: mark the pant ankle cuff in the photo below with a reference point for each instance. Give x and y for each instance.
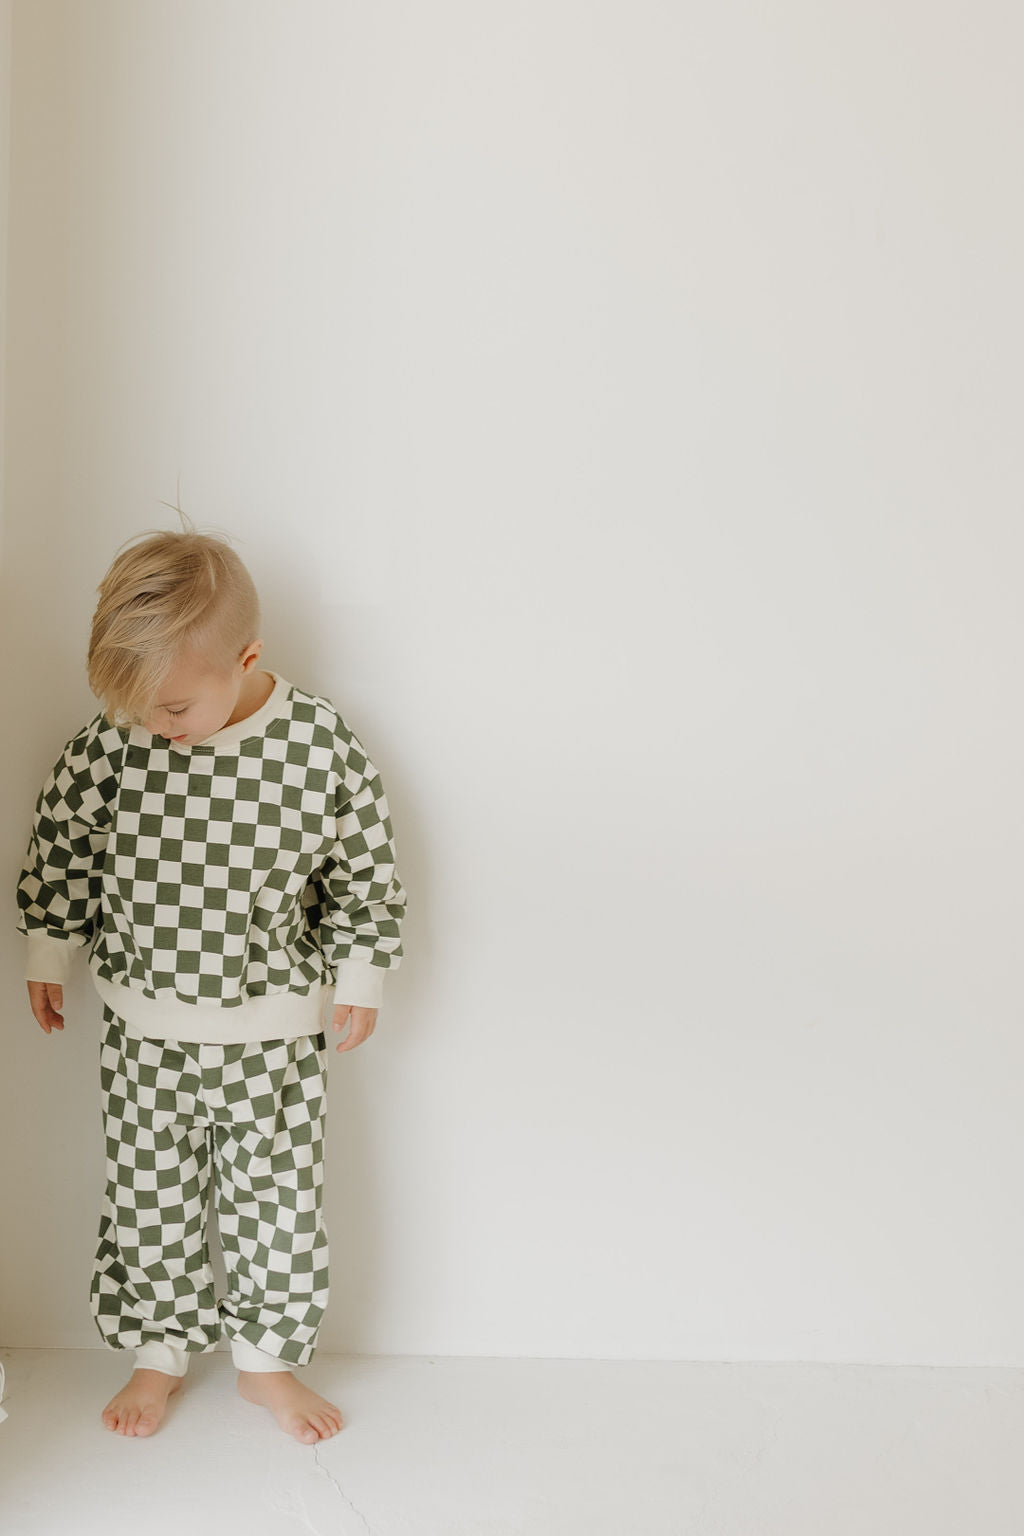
(246, 1357)
(156, 1355)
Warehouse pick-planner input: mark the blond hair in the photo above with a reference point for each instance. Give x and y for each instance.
(171, 596)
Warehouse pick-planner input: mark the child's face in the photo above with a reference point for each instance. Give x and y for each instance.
(195, 701)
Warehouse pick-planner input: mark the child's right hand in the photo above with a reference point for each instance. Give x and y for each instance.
(45, 998)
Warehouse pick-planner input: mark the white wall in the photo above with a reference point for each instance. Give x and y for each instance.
(5, 162)
(619, 409)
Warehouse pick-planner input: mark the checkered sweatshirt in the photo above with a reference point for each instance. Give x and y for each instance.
(234, 889)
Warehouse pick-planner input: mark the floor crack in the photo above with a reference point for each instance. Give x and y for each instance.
(344, 1495)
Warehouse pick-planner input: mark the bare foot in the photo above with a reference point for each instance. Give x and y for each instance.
(138, 1408)
(300, 1411)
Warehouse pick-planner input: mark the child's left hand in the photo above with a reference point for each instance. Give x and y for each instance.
(361, 1028)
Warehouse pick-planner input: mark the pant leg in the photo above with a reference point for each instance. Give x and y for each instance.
(269, 1123)
(152, 1286)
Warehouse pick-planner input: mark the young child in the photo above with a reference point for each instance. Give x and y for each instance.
(221, 844)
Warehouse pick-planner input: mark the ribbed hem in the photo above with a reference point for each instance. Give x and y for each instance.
(154, 1355)
(277, 1016)
(246, 1357)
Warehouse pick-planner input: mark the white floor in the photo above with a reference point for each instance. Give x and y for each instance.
(492, 1447)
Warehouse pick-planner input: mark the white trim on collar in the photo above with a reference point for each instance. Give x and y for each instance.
(228, 735)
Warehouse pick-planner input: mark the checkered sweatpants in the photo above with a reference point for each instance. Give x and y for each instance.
(251, 1115)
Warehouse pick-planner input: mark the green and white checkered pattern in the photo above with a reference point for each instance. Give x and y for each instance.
(217, 873)
(250, 1115)
(207, 861)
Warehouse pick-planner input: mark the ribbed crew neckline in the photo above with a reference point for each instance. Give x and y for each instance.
(229, 735)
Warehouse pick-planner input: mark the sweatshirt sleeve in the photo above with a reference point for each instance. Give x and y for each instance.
(58, 889)
(362, 899)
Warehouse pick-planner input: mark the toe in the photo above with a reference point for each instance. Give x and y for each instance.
(146, 1424)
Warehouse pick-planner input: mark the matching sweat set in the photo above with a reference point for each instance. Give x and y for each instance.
(229, 893)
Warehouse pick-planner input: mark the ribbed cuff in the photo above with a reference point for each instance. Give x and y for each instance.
(155, 1355)
(359, 984)
(48, 958)
(246, 1357)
